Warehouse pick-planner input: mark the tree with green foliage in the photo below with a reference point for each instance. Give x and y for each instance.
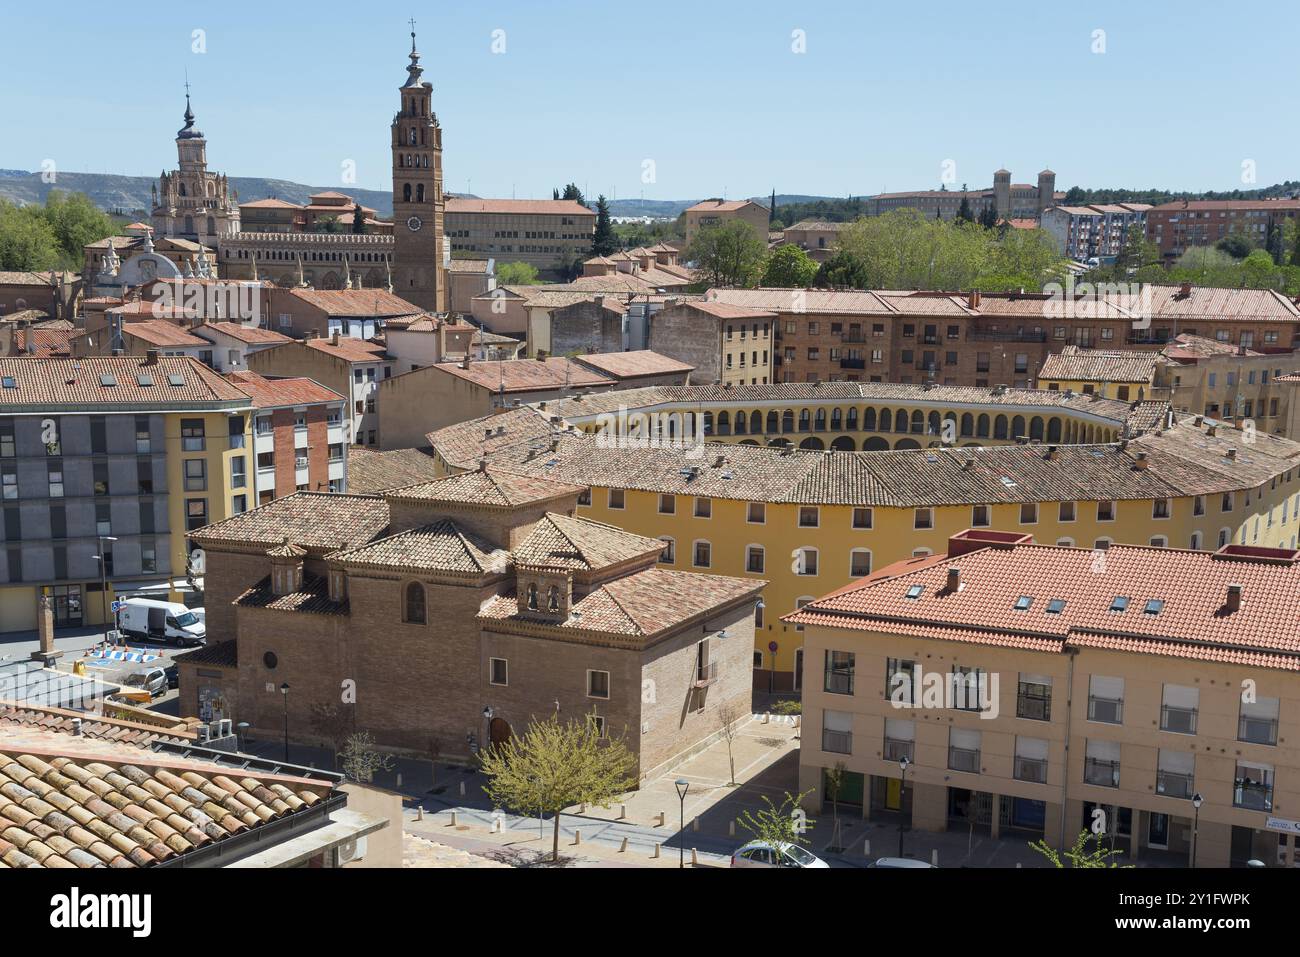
(1088, 851)
(778, 826)
(729, 254)
(554, 765)
(1235, 245)
(988, 217)
(603, 242)
(77, 222)
(517, 274)
(27, 241)
(328, 224)
(790, 267)
(359, 759)
(842, 271)
(358, 220)
(964, 213)
(771, 210)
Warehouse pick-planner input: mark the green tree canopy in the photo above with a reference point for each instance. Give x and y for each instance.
(729, 254)
(28, 242)
(517, 274)
(603, 242)
(790, 267)
(554, 765)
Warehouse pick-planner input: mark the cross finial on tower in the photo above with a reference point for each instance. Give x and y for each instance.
(412, 22)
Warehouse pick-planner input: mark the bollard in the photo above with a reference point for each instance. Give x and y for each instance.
(866, 848)
(582, 808)
(695, 824)
(934, 857)
(656, 851)
(1019, 865)
(577, 836)
(622, 848)
(695, 858)
(399, 780)
(496, 825)
(622, 812)
(453, 817)
(661, 819)
(419, 813)
(462, 788)
(731, 829)
(767, 717)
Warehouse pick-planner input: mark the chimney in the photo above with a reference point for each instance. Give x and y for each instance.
(1052, 453)
(1232, 455)
(151, 357)
(334, 339)
(482, 465)
(487, 433)
(1140, 462)
(1184, 290)
(974, 299)
(1212, 431)
(1234, 599)
(954, 579)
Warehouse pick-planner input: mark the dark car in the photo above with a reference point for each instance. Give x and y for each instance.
(173, 673)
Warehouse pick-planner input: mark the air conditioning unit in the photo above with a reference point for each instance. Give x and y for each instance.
(350, 851)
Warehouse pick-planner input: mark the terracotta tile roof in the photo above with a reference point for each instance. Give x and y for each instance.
(1226, 205)
(1195, 620)
(517, 207)
(807, 300)
(630, 365)
(1180, 461)
(523, 375)
(1185, 348)
(464, 443)
(492, 487)
(313, 598)
(274, 393)
(221, 654)
(45, 343)
(357, 302)
(724, 310)
(164, 334)
(721, 206)
(170, 381)
(817, 225)
(638, 283)
(269, 203)
(95, 726)
(561, 541)
(441, 547)
(641, 605)
(370, 471)
(347, 348)
(474, 266)
(249, 334)
(83, 804)
(1096, 365)
(353, 519)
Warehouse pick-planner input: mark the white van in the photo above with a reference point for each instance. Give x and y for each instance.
(160, 621)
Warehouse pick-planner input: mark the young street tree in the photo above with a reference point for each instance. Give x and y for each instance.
(778, 826)
(731, 254)
(603, 242)
(359, 760)
(729, 716)
(554, 765)
(789, 268)
(1081, 854)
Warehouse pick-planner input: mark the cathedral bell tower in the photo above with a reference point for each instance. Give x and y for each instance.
(419, 268)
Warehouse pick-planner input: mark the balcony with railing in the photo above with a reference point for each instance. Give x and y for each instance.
(1106, 710)
(1101, 773)
(853, 363)
(1174, 784)
(1178, 720)
(987, 335)
(837, 742)
(1033, 706)
(706, 674)
(964, 759)
(1257, 730)
(1252, 795)
(896, 749)
(839, 681)
(1033, 770)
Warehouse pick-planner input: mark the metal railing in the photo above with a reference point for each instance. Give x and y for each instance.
(1107, 710)
(896, 750)
(1102, 773)
(1178, 720)
(962, 759)
(837, 742)
(839, 681)
(1253, 795)
(1257, 730)
(1033, 770)
(706, 674)
(1035, 707)
(1174, 784)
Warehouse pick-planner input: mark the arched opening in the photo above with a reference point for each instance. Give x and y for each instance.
(813, 444)
(918, 422)
(406, 192)
(413, 607)
(787, 421)
(851, 422)
(1018, 427)
(982, 427)
(498, 732)
(875, 444)
(724, 422)
(773, 422)
(805, 420)
(907, 444)
(819, 421)
(1036, 428)
(967, 425)
(868, 420)
(843, 444)
(837, 420)
(1054, 430)
(1000, 427)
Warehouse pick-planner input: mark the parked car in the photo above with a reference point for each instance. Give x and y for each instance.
(166, 621)
(152, 680)
(899, 862)
(173, 676)
(765, 854)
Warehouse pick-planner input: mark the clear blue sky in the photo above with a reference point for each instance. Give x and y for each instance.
(710, 90)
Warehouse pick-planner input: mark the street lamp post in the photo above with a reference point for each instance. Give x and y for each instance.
(103, 581)
(903, 763)
(683, 786)
(1197, 801)
(284, 692)
(487, 727)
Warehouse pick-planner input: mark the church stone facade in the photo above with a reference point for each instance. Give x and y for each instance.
(190, 202)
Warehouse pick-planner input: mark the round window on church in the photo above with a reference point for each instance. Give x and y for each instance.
(270, 660)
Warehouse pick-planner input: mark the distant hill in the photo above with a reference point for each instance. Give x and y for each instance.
(132, 193)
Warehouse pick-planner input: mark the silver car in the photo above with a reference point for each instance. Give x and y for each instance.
(152, 680)
(765, 854)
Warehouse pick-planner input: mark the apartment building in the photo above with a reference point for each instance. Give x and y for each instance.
(353, 368)
(1042, 691)
(724, 342)
(464, 607)
(998, 339)
(300, 443)
(1177, 227)
(815, 237)
(116, 457)
(357, 313)
(1094, 232)
(552, 235)
(716, 212)
(810, 522)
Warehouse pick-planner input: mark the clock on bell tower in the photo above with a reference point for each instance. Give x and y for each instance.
(419, 268)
